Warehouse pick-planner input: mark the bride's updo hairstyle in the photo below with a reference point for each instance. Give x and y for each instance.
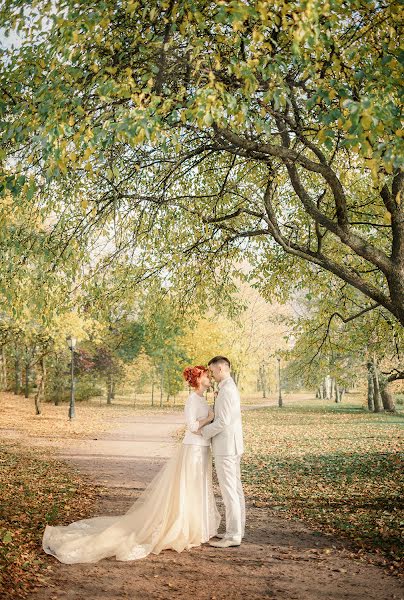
(192, 374)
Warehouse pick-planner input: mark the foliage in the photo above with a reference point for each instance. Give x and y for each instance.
(195, 134)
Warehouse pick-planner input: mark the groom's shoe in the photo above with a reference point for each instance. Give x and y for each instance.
(226, 542)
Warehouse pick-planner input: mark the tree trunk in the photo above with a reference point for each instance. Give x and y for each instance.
(3, 369)
(377, 399)
(41, 387)
(27, 374)
(56, 398)
(236, 376)
(113, 389)
(262, 383)
(341, 394)
(387, 397)
(371, 390)
(109, 390)
(161, 386)
(18, 375)
(327, 387)
(332, 392)
(321, 391)
(152, 393)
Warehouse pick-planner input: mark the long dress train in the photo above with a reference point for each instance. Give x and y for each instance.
(177, 510)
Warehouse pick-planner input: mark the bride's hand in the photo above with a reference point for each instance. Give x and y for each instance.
(211, 415)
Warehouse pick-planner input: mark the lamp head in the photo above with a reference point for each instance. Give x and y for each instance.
(71, 342)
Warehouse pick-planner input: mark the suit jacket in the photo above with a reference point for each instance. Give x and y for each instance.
(226, 429)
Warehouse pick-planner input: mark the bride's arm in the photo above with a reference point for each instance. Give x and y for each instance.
(195, 423)
(204, 421)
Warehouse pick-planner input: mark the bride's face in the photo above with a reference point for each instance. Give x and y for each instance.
(205, 380)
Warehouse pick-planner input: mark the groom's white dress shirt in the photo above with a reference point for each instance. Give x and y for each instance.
(226, 429)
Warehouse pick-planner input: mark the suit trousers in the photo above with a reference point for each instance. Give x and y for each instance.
(228, 474)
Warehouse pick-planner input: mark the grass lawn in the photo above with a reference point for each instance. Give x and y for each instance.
(336, 466)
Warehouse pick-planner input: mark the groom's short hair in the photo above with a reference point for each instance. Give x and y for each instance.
(216, 360)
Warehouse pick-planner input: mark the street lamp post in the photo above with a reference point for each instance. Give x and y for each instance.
(71, 342)
(280, 403)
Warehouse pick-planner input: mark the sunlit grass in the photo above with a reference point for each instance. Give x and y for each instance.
(337, 466)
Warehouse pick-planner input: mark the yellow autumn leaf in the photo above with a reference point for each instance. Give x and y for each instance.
(366, 121)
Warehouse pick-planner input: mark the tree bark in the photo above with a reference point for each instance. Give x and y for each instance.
(27, 374)
(371, 392)
(3, 368)
(161, 388)
(387, 397)
(377, 399)
(332, 392)
(109, 389)
(337, 392)
(327, 387)
(18, 375)
(41, 387)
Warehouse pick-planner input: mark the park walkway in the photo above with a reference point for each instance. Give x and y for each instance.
(279, 559)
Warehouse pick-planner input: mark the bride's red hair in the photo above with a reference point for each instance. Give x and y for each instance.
(192, 374)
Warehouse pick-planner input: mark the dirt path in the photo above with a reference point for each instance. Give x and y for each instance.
(278, 559)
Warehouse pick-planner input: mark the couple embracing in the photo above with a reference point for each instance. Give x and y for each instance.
(177, 510)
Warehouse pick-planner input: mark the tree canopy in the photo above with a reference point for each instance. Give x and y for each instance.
(198, 133)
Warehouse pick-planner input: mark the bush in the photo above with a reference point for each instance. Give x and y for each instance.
(399, 399)
(86, 387)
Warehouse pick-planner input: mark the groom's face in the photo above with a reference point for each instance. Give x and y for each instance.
(216, 372)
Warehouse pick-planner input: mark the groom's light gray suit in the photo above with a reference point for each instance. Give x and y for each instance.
(227, 447)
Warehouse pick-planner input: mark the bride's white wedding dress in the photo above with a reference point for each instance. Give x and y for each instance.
(177, 510)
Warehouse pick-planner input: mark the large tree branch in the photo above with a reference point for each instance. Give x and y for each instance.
(318, 258)
(340, 228)
(358, 244)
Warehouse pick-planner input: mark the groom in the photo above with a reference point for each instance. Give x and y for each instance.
(227, 447)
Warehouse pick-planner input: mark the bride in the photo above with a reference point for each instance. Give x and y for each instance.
(177, 510)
